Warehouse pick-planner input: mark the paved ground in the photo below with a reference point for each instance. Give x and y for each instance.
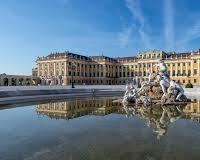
(110, 87)
(188, 91)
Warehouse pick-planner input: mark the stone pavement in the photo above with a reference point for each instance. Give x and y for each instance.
(57, 87)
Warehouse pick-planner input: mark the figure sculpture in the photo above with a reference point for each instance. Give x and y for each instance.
(131, 94)
(158, 87)
(176, 90)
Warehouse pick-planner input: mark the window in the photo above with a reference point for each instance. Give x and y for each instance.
(184, 73)
(173, 64)
(195, 71)
(123, 74)
(178, 73)
(195, 61)
(195, 80)
(189, 72)
(149, 55)
(183, 81)
(178, 64)
(183, 64)
(173, 73)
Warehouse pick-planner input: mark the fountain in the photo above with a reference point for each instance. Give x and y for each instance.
(158, 89)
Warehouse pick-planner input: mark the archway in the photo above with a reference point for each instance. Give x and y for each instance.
(28, 82)
(13, 81)
(21, 81)
(5, 81)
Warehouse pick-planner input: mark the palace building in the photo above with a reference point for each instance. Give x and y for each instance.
(17, 80)
(62, 68)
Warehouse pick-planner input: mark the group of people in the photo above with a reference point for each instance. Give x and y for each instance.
(168, 86)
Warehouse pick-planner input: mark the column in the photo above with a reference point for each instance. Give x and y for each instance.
(17, 81)
(192, 68)
(38, 70)
(9, 81)
(198, 72)
(54, 68)
(181, 68)
(186, 63)
(151, 68)
(176, 68)
(48, 69)
(171, 70)
(142, 69)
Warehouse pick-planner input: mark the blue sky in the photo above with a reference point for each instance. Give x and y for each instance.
(31, 28)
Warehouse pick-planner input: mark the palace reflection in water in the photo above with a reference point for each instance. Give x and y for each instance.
(79, 107)
(156, 117)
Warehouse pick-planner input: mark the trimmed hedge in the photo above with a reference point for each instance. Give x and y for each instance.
(189, 85)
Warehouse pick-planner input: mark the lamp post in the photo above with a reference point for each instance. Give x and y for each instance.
(72, 75)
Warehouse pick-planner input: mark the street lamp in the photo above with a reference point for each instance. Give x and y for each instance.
(72, 74)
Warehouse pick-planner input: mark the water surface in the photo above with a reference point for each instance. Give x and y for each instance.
(99, 129)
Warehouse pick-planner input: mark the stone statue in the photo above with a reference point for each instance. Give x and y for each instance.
(176, 89)
(157, 89)
(162, 66)
(131, 94)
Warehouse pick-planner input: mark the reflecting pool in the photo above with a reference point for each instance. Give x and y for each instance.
(98, 129)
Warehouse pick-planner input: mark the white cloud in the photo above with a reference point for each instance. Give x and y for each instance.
(136, 12)
(125, 36)
(169, 23)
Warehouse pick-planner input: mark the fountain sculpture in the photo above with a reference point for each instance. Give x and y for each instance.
(159, 88)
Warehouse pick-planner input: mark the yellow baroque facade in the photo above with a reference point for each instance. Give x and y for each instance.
(61, 68)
